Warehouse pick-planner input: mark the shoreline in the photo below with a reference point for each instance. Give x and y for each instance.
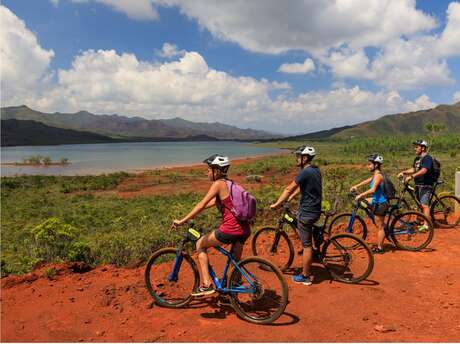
(138, 171)
(234, 161)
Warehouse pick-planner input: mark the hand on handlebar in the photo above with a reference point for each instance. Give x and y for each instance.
(176, 223)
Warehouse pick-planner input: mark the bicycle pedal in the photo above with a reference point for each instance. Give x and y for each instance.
(224, 302)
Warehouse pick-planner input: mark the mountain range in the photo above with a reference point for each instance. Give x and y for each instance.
(116, 126)
(24, 126)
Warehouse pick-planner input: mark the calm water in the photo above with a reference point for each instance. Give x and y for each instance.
(111, 157)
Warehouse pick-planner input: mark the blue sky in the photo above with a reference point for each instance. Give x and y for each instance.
(293, 68)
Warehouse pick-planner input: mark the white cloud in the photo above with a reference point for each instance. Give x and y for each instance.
(298, 68)
(55, 2)
(137, 10)
(348, 64)
(456, 97)
(23, 61)
(449, 42)
(169, 50)
(312, 26)
(410, 64)
(105, 81)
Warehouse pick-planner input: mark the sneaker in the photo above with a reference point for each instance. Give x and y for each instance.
(202, 291)
(302, 279)
(377, 250)
(423, 228)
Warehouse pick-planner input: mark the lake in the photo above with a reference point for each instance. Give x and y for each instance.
(91, 159)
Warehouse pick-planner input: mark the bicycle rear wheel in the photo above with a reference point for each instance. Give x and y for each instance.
(340, 223)
(274, 245)
(348, 258)
(169, 290)
(445, 211)
(411, 231)
(270, 292)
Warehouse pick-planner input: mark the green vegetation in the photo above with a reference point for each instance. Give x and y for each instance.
(59, 218)
(42, 160)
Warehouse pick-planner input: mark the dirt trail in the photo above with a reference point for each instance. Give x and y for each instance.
(414, 295)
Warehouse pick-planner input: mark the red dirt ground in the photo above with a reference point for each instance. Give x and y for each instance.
(416, 296)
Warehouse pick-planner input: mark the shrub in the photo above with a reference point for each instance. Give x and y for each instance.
(53, 239)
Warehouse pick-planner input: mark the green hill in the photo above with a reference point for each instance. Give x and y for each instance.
(31, 133)
(407, 123)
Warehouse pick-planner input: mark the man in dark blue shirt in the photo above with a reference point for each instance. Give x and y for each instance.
(308, 184)
(422, 172)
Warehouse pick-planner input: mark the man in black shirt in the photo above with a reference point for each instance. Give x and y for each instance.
(423, 174)
(308, 184)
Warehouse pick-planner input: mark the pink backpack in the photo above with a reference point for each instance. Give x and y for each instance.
(244, 204)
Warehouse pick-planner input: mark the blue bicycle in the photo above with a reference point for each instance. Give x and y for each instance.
(408, 230)
(256, 288)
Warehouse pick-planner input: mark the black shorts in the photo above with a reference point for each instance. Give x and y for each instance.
(380, 208)
(305, 229)
(229, 238)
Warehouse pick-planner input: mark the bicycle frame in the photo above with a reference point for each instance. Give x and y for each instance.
(364, 205)
(411, 191)
(219, 283)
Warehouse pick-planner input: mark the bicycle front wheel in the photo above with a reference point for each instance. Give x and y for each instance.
(445, 211)
(264, 292)
(274, 245)
(170, 282)
(348, 258)
(341, 224)
(411, 231)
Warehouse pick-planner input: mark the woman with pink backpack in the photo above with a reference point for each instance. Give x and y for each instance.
(237, 207)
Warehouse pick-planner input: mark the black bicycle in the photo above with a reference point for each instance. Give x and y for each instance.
(444, 210)
(346, 257)
(256, 287)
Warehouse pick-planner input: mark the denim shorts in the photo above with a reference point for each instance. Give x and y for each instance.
(305, 229)
(423, 193)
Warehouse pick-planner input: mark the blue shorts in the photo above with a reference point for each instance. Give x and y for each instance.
(305, 229)
(423, 193)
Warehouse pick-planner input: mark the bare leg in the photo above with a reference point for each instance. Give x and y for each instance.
(426, 212)
(381, 230)
(237, 250)
(306, 261)
(202, 245)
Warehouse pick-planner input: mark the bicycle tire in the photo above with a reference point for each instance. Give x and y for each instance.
(282, 259)
(157, 290)
(338, 254)
(336, 221)
(263, 273)
(448, 204)
(414, 226)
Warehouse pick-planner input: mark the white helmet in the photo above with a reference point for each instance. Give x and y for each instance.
(305, 150)
(217, 160)
(422, 143)
(375, 158)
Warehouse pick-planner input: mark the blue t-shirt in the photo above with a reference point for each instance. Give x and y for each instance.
(309, 181)
(378, 197)
(424, 162)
